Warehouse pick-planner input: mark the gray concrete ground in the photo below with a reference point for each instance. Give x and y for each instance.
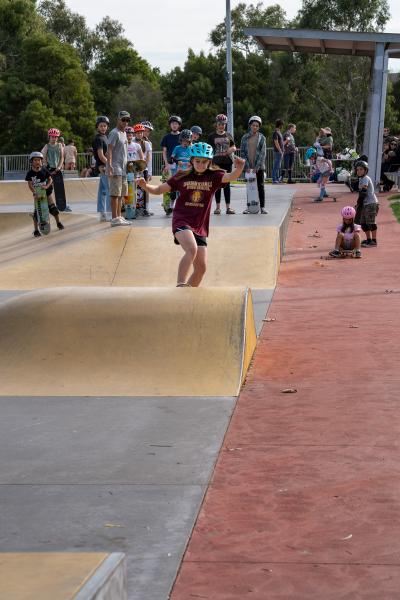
(117, 474)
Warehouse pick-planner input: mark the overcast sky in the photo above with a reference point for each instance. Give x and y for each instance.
(163, 30)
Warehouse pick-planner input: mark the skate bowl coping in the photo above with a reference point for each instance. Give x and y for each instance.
(76, 189)
(123, 341)
(59, 575)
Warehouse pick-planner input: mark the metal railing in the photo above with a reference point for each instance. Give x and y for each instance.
(15, 166)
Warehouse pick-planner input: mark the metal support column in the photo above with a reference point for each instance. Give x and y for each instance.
(229, 85)
(377, 113)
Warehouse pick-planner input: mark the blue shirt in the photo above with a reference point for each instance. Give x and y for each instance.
(181, 154)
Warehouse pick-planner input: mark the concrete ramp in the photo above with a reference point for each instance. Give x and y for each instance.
(113, 341)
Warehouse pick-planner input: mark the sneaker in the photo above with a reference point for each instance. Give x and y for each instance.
(366, 243)
(68, 209)
(183, 285)
(357, 253)
(217, 211)
(373, 243)
(246, 212)
(103, 217)
(148, 213)
(60, 226)
(335, 253)
(230, 211)
(37, 233)
(263, 211)
(318, 199)
(123, 221)
(115, 222)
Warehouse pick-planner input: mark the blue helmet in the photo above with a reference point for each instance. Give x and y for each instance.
(201, 150)
(310, 153)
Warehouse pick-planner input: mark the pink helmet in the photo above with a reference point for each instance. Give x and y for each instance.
(221, 118)
(53, 132)
(348, 212)
(129, 130)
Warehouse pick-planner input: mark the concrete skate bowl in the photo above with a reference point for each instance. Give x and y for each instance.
(114, 341)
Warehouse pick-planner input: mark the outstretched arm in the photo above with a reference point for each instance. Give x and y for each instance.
(163, 188)
(238, 164)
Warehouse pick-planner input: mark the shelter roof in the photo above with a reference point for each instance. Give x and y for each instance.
(323, 42)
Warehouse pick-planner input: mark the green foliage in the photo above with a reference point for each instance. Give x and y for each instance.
(243, 15)
(345, 15)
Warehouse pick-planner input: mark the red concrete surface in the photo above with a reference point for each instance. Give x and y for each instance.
(305, 498)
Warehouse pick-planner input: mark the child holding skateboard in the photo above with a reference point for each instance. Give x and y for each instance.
(39, 177)
(367, 205)
(348, 236)
(191, 216)
(53, 155)
(253, 148)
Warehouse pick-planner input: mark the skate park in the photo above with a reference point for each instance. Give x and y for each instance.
(258, 459)
(99, 308)
(196, 491)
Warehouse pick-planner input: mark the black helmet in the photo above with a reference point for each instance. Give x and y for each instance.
(185, 134)
(196, 129)
(102, 119)
(175, 118)
(363, 164)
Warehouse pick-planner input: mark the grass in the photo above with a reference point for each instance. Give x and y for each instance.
(395, 204)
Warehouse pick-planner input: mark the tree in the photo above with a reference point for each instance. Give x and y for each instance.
(70, 28)
(346, 15)
(253, 15)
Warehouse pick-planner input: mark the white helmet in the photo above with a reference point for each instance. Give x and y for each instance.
(255, 118)
(35, 155)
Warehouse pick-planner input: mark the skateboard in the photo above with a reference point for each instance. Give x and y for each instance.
(343, 254)
(253, 202)
(59, 190)
(42, 210)
(167, 200)
(130, 199)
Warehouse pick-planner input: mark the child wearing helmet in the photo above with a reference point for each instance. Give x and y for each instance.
(223, 146)
(146, 147)
(197, 132)
(181, 154)
(191, 216)
(134, 149)
(367, 205)
(348, 236)
(39, 176)
(253, 148)
(53, 157)
(170, 141)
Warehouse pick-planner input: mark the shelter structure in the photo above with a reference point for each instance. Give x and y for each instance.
(378, 46)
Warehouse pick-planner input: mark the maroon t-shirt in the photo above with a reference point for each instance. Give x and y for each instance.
(193, 205)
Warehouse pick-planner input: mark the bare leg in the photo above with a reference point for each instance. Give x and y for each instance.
(339, 241)
(199, 267)
(114, 207)
(189, 246)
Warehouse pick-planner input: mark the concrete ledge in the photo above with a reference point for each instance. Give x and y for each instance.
(62, 576)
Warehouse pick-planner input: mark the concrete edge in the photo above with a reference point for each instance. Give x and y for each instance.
(109, 582)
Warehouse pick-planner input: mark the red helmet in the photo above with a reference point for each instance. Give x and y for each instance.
(139, 127)
(53, 132)
(221, 118)
(129, 130)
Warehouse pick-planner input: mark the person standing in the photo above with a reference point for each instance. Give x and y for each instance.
(253, 149)
(289, 150)
(168, 144)
(223, 146)
(100, 156)
(70, 154)
(53, 157)
(277, 143)
(117, 158)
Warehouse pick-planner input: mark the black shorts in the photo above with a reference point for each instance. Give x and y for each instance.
(200, 239)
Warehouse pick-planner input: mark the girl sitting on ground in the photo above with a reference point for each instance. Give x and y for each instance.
(348, 236)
